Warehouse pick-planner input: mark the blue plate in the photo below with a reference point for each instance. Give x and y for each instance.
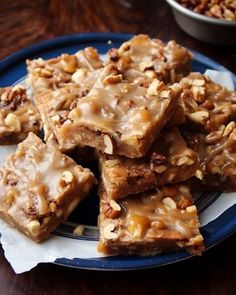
(217, 227)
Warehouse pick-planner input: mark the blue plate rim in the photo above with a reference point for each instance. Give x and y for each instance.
(122, 263)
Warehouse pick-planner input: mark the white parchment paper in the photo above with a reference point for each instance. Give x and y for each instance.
(23, 254)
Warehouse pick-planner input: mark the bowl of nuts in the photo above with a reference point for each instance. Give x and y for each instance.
(211, 21)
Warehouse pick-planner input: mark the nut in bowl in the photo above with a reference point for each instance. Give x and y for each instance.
(202, 27)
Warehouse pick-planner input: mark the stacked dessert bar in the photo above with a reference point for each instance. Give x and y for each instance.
(155, 129)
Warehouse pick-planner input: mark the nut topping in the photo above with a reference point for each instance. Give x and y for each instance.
(199, 116)
(108, 232)
(66, 178)
(33, 227)
(112, 209)
(108, 144)
(112, 79)
(169, 203)
(12, 120)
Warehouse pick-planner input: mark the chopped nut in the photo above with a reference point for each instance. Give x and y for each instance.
(165, 94)
(169, 203)
(46, 73)
(150, 74)
(112, 79)
(10, 197)
(183, 203)
(154, 87)
(12, 120)
(199, 174)
(184, 161)
(108, 232)
(158, 169)
(78, 231)
(66, 178)
(69, 63)
(184, 189)
(30, 112)
(79, 74)
(198, 93)
(198, 82)
(191, 209)
(108, 144)
(199, 116)
(229, 128)
(33, 227)
(55, 118)
(112, 209)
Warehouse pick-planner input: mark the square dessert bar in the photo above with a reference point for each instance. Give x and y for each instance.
(119, 117)
(145, 58)
(217, 155)
(169, 160)
(207, 105)
(56, 72)
(39, 188)
(18, 116)
(160, 220)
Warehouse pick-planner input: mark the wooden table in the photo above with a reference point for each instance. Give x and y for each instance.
(23, 23)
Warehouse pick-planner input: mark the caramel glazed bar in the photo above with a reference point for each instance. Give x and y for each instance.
(40, 187)
(217, 154)
(169, 160)
(58, 84)
(146, 224)
(18, 116)
(110, 120)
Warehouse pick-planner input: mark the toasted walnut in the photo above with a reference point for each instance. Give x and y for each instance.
(112, 209)
(183, 203)
(169, 203)
(33, 227)
(112, 79)
(144, 65)
(108, 144)
(191, 209)
(69, 63)
(229, 128)
(47, 73)
(199, 116)
(155, 87)
(13, 121)
(79, 74)
(199, 174)
(78, 231)
(108, 232)
(66, 178)
(10, 197)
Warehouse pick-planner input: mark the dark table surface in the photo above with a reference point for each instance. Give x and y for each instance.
(25, 22)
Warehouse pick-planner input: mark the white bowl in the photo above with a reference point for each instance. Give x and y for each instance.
(204, 28)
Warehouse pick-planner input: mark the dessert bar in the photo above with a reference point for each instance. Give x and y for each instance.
(217, 154)
(144, 58)
(160, 220)
(39, 188)
(207, 105)
(18, 116)
(118, 117)
(169, 160)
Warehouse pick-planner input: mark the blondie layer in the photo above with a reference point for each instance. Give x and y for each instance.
(149, 223)
(39, 188)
